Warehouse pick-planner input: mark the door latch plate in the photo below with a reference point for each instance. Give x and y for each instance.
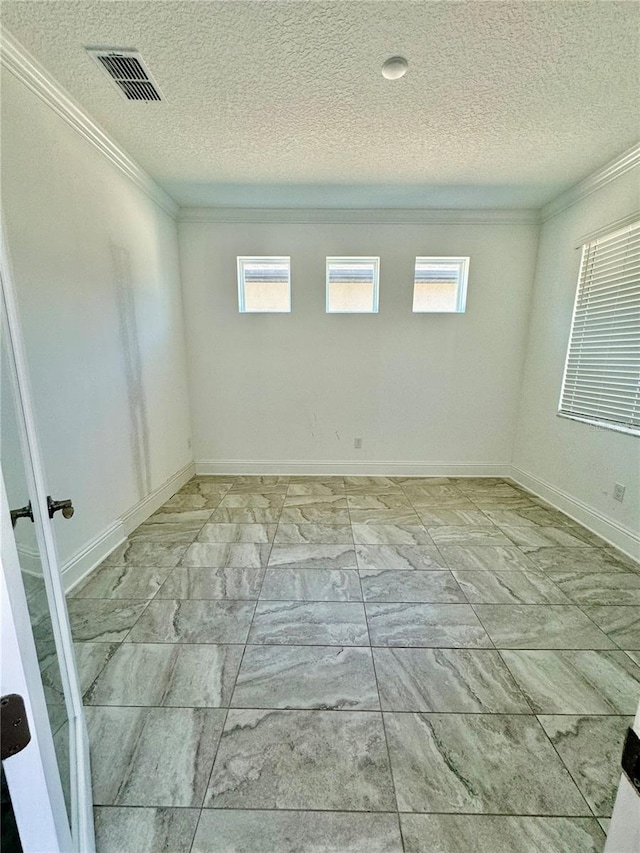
(14, 724)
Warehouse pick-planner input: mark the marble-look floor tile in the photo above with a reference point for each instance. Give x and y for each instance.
(423, 481)
(485, 558)
(192, 502)
(529, 586)
(260, 480)
(315, 514)
(353, 484)
(313, 557)
(399, 557)
(384, 516)
(599, 588)
(302, 760)
(576, 682)
(540, 626)
(208, 488)
(530, 517)
(91, 659)
(486, 535)
(320, 677)
(447, 680)
(311, 585)
(258, 489)
(388, 500)
(103, 620)
(216, 555)
(487, 501)
(390, 534)
(140, 830)
(190, 676)
(122, 582)
(428, 625)
(390, 585)
(577, 560)
(417, 493)
(434, 517)
(328, 503)
(590, 747)
(479, 484)
(438, 833)
(310, 488)
(478, 763)
(543, 537)
(620, 624)
(239, 831)
(142, 552)
(190, 582)
(313, 534)
(424, 503)
(252, 533)
(175, 533)
(188, 621)
(251, 499)
(152, 756)
(302, 623)
(246, 515)
(173, 515)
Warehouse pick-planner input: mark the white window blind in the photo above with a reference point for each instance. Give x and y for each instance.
(602, 374)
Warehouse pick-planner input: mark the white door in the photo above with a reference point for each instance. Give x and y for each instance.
(49, 780)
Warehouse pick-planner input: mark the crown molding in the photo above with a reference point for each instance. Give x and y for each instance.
(16, 59)
(369, 216)
(624, 163)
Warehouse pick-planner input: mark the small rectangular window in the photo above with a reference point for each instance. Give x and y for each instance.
(601, 383)
(440, 285)
(264, 285)
(352, 285)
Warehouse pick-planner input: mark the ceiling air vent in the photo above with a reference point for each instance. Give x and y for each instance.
(126, 69)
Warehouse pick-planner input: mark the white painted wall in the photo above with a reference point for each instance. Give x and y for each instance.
(574, 459)
(418, 388)
(95, 262)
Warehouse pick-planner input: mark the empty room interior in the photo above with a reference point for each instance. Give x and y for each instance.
(320, 426)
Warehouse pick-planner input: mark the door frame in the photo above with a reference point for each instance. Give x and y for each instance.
(81, 817)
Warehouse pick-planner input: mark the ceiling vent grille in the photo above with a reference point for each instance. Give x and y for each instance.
(126, 69)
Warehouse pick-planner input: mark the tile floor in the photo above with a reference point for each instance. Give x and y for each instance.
(280, 664)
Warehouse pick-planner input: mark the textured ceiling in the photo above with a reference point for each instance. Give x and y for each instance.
(283, 103)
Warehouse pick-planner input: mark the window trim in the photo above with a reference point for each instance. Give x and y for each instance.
(463, 278)
(602, 235)
(241, 260)
(355, 259)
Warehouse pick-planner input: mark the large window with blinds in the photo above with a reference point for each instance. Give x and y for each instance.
(602, 374)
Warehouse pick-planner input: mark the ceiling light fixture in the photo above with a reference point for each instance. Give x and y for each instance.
(395, 68)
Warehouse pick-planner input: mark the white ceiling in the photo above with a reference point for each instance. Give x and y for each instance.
(283, 104)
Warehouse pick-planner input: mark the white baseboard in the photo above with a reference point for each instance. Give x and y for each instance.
(98, 549)
(147, 506)
(353, 469)
(611, 531)
(91, 555)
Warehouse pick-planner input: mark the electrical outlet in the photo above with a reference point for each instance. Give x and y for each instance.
(189, 443)
(357, 443)
(618, 492)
